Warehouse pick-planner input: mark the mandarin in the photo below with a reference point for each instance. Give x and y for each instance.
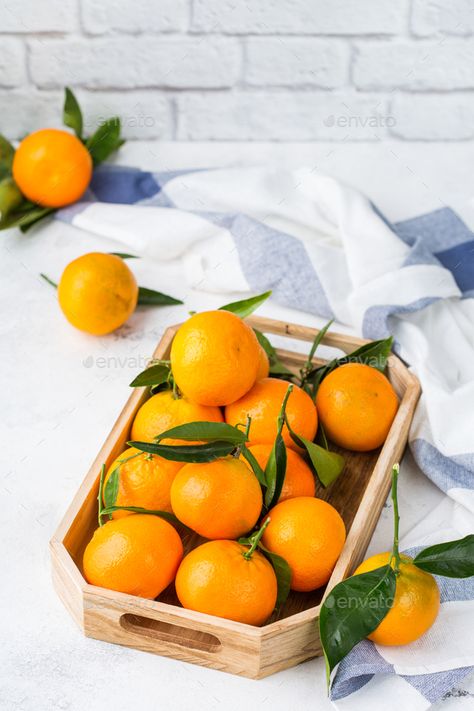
(263, 402)
(415, 606)
(52, 167)
(216, 578)
(215, 358)
(144, 480)
(163, 411)
(299, 479)
(356, 405)
(309, 534)
(97, 293)
(138, 555)
(218, 499)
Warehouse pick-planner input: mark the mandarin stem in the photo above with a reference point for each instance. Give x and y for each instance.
(396, 518)
(100, 495)
(256, 540)
(281, 416)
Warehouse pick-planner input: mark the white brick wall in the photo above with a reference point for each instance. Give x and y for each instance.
(338, 70)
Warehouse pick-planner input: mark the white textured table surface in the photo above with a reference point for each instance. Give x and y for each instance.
(61, 392)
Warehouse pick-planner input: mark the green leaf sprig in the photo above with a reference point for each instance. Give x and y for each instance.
(245, 307)
(355, 607)
(375, 354)
(15, 209)
(216, 440)
(275, 470)
(280, 566)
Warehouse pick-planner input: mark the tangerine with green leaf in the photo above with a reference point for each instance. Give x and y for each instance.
(144, 480)
(166, 410)
(299, 478)
(415, 606)
(263, 404)
(221, 578)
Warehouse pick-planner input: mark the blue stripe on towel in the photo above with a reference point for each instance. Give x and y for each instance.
(358, 668)
(460, 262)
(124, 186)
(446, 472)
(271, 259)
(439, 230)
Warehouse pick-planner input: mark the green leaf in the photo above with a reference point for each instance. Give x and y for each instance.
(187, 453)
(6, 157)
(282, 572)
(154, 375)
(149, 297)
(328, 465)
(72, 114)
(247, 306)
(124, 255)
(112, 487)
(105, 141)
(208, 431)
(275, 471)
(257, 469)
(24, 219)
(321, 438)
(454, 559)
(276, 366)
(352, 610)
(319, 337)
(374, 354)
(171, 518)
(10, 197)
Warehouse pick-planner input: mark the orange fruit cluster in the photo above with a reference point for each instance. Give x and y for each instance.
(221, 374)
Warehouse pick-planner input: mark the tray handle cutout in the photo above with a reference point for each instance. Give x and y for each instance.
(166, 632)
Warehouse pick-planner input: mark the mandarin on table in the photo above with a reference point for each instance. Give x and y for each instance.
(216, 578)
(299, 479)
(215, 358)
(163, 411)
(144, 480)
(356, 406)
(218, 499)
(138, 555)
(263, 403)
(309, 534)
(52, 168)
(97, 293)
(416, 603)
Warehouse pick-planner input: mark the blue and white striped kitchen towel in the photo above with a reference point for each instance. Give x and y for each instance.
(323, 248)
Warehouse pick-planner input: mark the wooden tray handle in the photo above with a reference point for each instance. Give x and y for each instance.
(182, 635)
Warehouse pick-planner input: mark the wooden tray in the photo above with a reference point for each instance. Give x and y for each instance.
(163, 627)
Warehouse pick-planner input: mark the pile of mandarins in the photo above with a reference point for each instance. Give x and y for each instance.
(220, 374)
